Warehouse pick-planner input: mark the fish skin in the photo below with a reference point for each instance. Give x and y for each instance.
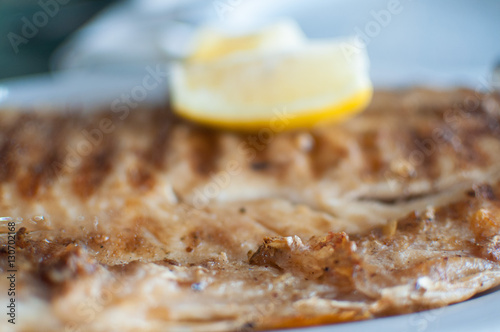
(317, 226)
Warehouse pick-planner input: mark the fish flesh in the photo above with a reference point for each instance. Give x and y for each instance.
(140, 220)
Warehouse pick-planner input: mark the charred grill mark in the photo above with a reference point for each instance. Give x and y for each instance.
(28, 185)
(257, 151)
(492, 108)
(372, 153)
(6, 163)
(260, 165)
(56, 155)
(156, 155)
(7, 149)
(262, 160)
(53, 157)
(324, 155)
(41, 172)
(141, 178)
(164, 122)
(275, 155)
(423, 154)
(95, 168)
(205, 150)
(467, 125)
(484, 110)
(464, 139)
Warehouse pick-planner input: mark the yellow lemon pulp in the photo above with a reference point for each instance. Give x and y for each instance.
(212, 44)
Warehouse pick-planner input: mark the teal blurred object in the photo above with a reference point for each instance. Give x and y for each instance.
(31, 30)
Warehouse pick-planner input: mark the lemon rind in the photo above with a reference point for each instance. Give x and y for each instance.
(300, 119)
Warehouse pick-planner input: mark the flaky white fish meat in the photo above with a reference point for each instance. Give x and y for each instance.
(138, 220)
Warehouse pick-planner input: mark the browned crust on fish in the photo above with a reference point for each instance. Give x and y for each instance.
(150, 222)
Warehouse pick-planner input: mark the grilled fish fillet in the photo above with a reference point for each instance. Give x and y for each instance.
(136, 219)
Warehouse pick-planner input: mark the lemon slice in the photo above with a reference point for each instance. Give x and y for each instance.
(212, 43)
(309, 84)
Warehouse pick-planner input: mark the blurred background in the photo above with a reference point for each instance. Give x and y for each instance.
(446, 42)
(33, 56)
